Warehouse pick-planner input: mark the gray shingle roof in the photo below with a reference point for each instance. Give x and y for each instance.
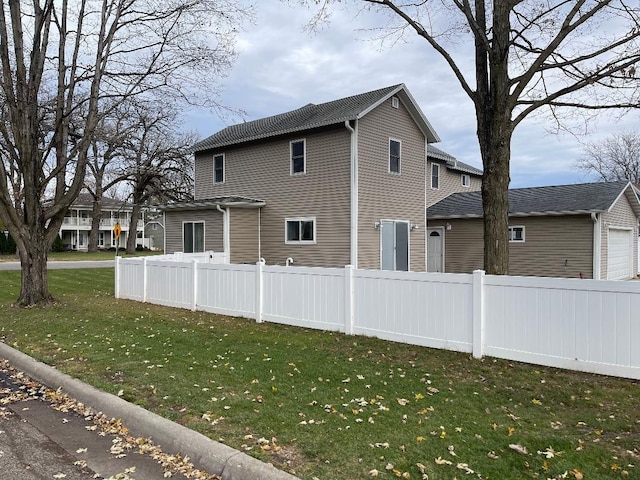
(315, 116)
(553, 200)
(451, 162)
(85, 199)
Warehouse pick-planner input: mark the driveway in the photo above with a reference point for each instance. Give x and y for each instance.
(56, 265)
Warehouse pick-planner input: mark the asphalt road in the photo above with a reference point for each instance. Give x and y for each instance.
(38, 442)
(61, 265)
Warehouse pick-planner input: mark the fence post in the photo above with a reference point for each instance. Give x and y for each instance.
(259, 296)
(194, 299)
(144, 280)
(478, 313)
(117, 286)
(348, 299)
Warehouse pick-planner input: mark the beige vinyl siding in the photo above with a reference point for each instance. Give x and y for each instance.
(621, 216)
(463, 244)
(262, 171)
(213, 239)
(243, 235)
(450, 182)
(389, 196)
(554, 246)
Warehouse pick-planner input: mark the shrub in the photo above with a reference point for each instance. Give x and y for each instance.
(3, 243)
(57, 246)
(10, 245)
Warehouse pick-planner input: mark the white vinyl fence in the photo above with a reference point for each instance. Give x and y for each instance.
(586, 325)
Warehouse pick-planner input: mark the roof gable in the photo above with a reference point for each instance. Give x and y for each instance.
(553, 200)
(316, 116)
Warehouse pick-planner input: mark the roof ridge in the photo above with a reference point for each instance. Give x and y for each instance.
(312, 116)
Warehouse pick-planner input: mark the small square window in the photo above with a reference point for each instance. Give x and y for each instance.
(300, 230)
(435, 176)
(218, 169)
(394, 156)
(466, 180)
(516, 234)
(298, 164)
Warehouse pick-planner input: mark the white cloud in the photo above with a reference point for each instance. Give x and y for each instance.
(281, 67)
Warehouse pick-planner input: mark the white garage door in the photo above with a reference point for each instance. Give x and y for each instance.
(620, 257)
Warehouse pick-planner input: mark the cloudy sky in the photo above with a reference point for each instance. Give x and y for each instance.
(281, 67)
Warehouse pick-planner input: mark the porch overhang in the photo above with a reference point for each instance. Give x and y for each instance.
(207, 204)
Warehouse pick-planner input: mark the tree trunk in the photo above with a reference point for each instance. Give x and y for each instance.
(133, 229)
(96, 217)
(495, 128)
(34, 288)
(495, 200)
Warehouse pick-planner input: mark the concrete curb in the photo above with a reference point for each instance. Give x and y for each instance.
(206, 454)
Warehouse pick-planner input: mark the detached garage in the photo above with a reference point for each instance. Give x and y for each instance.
(620, 254)
(585, 230)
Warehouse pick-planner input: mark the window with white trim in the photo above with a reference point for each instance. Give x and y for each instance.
(218, 168)
(101, 239)
(298, 153)
(300, 230)
(192, 237)
(435, 176)
(465, 178)
(516, 234)
(394, 156)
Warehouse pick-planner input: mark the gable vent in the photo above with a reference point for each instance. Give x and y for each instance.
(395, 103)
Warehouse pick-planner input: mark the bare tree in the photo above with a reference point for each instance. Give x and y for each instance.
(528, 56)
(59, 58)
(615, 158)
(103, 161)
(157, 163)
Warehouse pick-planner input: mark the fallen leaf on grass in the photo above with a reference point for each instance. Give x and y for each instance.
(549, 452)
(442, 461)
(518, 448)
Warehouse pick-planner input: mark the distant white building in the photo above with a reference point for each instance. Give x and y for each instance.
(77, 223)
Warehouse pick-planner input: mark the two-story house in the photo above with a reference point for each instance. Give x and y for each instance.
(343, 182)
(76, 225)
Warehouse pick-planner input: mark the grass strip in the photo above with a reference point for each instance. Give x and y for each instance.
(328, 406)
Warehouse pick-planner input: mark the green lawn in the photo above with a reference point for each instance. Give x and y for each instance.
(81, 256)
(328, 406)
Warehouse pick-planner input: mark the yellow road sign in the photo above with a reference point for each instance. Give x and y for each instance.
(116, 230)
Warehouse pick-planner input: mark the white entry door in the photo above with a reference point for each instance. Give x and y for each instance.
(435, 261)
(394, 245)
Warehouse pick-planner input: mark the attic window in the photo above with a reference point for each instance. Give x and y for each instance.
(395, 103)
(466, 180)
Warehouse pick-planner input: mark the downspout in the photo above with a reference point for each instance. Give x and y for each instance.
(225, 232)
(164, 232)
(597, 244)
(426, 225)
(259, 233)
(354, 191)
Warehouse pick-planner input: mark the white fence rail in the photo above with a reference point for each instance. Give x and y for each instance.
(585, 325)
